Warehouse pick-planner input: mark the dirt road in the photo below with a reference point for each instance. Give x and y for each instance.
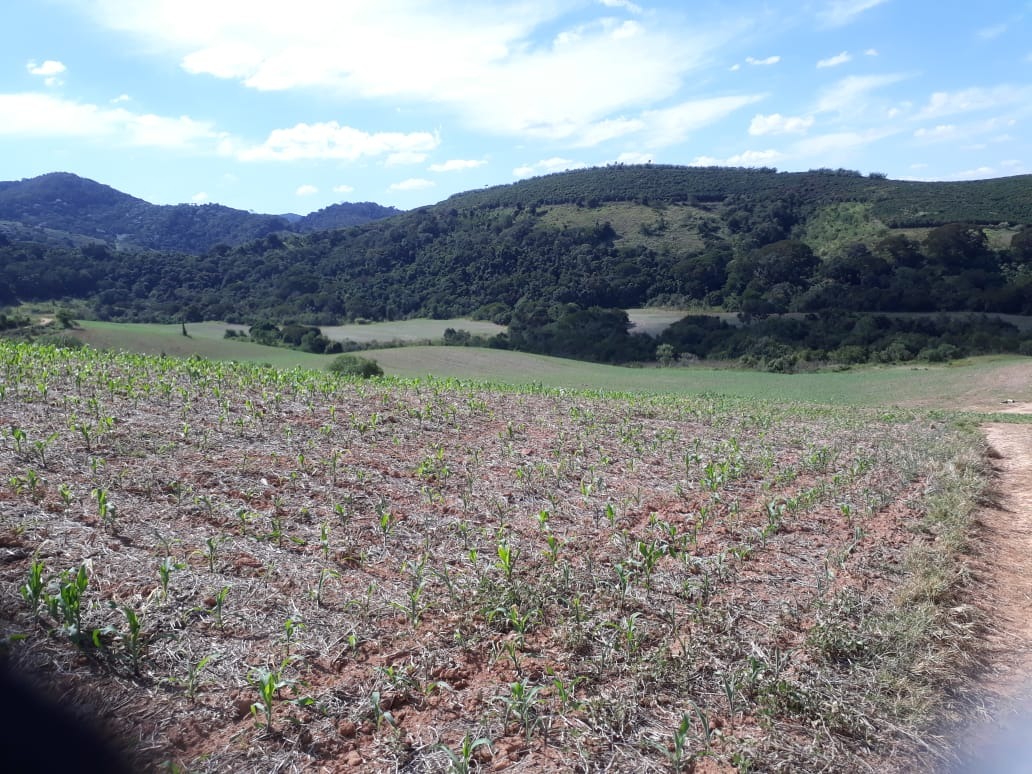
(1002, 569)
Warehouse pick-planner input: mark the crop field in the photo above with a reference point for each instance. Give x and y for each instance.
(247, 569)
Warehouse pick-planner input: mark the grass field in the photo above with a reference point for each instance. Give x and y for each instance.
(976, 383)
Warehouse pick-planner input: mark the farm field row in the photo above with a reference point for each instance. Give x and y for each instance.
(243, 566)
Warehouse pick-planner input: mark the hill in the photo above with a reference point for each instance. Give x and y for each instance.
(556, 258)
(62, 203)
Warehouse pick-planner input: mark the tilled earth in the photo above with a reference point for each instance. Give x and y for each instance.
(585, 582)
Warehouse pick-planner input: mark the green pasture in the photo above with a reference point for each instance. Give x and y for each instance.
(978, 382)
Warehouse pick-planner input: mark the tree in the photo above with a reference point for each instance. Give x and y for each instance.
(352, 365)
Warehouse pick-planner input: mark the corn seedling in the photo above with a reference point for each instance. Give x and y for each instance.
(166, 567)
(218, 609)
(290, 632)
(522, 704)
(132, 640)
(192, 682)
(268, 683)
(65, 601)
(105, 508)
(32, 591)
(324, 575)
(380, 715)
(460, 760)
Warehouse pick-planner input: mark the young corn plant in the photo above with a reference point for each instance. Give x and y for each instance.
(132, 640)
(166, 567)
(192, 682)
(522, 703)
(65, 602)
(460, 760)
(268, 682)
(33, 590)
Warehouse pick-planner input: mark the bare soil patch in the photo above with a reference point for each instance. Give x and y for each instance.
(331, 576)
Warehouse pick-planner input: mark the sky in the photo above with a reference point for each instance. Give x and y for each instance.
(281, 107)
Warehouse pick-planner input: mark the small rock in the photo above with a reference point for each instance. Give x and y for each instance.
(347, 728)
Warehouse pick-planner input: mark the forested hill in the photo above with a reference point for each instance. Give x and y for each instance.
(897, 203)
(60, 205)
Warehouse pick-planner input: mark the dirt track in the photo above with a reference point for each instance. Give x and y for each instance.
(1003, 568)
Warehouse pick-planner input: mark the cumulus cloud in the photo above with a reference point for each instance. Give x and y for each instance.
(835, 61)
(770, 60)
(871, 52)
(776, 123)
(306, 190)
(42, 115)
(343, 188)
(49, 67)
(456, 165)
(49, 71)
(839, 13)
(330, 140)
(412, 184)
(199, 198)
(487, 63)
(120, 99)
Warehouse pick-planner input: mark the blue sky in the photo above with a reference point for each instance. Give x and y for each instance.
(290, 106)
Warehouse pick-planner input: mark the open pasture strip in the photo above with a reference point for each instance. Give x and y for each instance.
(285, 568)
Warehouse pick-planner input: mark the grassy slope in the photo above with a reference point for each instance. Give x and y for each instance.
(979, 381)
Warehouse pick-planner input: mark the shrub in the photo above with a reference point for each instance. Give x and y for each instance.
(352, 365)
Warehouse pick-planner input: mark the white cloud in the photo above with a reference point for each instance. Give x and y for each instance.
(412, 184)
(940, 132)
(991, 33)
(627, 5)
(602, 131)
(770, 60)
(330, 140)
(776, 123)
(871, 52)
(484, 62)
(41, 115)
(736, 67)
(306, 190)
(545, 166)
(199, 198)
(979, 173)
(826, 149)
(943, 103)
(671, 125)
(49, 71)
(849, 94)
(749, 158)
(456, 165)
(48, 68)
(120, 99)
(839, 13)
(343, 188)
(835, 61)
(634, 157)
(401, 158)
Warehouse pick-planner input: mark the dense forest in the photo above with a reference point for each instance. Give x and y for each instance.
(545, 257)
